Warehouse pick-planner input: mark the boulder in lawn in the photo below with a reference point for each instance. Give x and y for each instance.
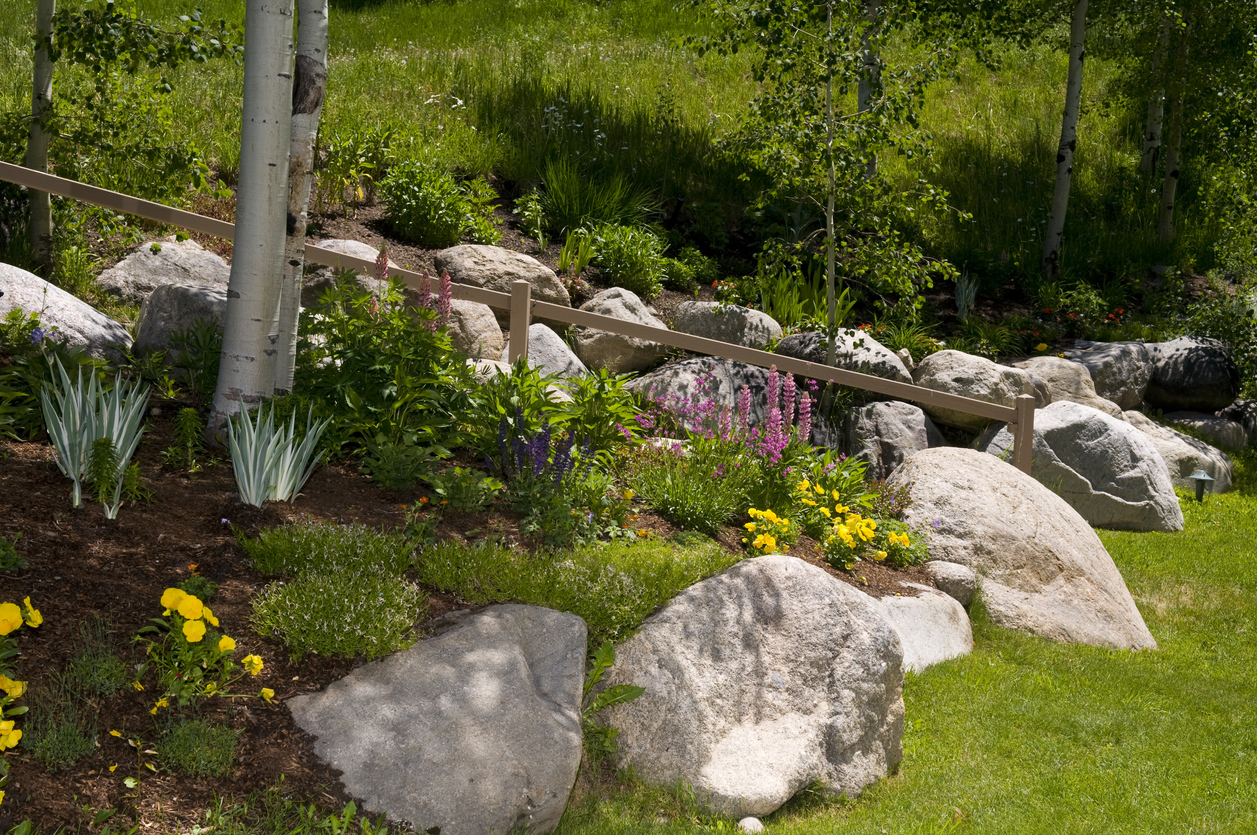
(1041, 567)
(176, 307)
(953, 579)
(476, 731)
(956, 372)
(883, 434)
(549, 353)
(1068, 380)
(1193, 374)
(855, 351)
(1102, 467)
(1217, 431)
(726, 322)
(612, 351)
(1120, 371)
(760, 682)
(932, 626)
(1184, 455)
(495, 268)
(164, 261)
(76, 322)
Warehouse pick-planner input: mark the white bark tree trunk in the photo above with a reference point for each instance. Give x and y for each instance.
(37, 139)
(871, 79)
(246, 373)
(1069, 142)
(308, 90)
(831, 299)
(1156, 103)
(1178, 107)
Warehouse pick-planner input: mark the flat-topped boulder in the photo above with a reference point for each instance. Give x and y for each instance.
(1041, 567)
(726, 322)
(762, 681)
(1120, 371)
(956, 372)
(1192, 374)
(1103, 467)
(163, 261)
(617, 353)
(476, 731)
(855, 350)
(77, 323)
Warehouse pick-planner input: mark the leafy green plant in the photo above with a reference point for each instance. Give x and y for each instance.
(10, 559)
(1230, 319)
(464, 488)
(352, 161)
(532, 217)
(301, 548)
(198, 585)
(700, 487)
(268, 462)
(402, 466)
(630, 257)
(522, 398)
(602, 412)
(367, 610)
(197, 350)
(428, 206)
(198, 748)
(577, 252)
(103, 474)
(189, 441)
(600, 739)
(572, 199)
(60, 728)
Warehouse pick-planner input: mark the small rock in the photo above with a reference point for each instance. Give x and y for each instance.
(953, 579)
(751, 825)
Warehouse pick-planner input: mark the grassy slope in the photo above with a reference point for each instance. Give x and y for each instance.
(1025, 735)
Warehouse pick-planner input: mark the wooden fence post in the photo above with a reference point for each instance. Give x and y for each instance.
(1023, 433)
(521, 318)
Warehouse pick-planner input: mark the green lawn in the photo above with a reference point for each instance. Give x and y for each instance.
(1025, 735)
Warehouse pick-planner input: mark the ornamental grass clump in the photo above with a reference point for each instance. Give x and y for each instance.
(268, 462)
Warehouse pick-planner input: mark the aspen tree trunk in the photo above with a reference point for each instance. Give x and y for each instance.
(831, 298)
(246, 373)
(1156, 103)
(308, 89)
(1178, 103)
(871, 79)
(37, 139)
(1069, 141)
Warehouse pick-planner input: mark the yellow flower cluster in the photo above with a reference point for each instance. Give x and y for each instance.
(195, 615)
(13, 616)
(9, 735)
(898, 539)
(767, 530)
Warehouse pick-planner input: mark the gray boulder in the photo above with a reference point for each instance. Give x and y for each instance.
(931, 625)
(1193, 374)
(760, 682)
(474, 330)
(175, 307)
(856, 351)
(953, 579)
(1042, 568)
(1220, 432)
(883, 434)
(77, 323)
(696, 379)
(726, 322)
(1184, 455)
(548, 352)
(318, 279)
(164, 261)
(476, 731)
(495, 268)
(1243, 412)
(1119, 370)
(1102, 467)
(956, 372)
(618, 354)
(1068, 380)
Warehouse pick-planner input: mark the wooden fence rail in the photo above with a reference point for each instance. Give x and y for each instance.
(523, 309)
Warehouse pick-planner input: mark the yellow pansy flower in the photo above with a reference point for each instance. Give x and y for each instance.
(190, 607)
(15, 689)
(267, 694)
(253, 664)
(10, 618)
(226, 644)
(825, 511)
(209, 616)
(880, 555)
(33, 617)
(194, 630)
(750, 526)
(170, 599)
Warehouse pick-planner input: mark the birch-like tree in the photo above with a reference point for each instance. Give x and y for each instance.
(308, 90)
(1156, 99)
(246, 372)
(38, 136)
(1178, 103)
(1068, 143)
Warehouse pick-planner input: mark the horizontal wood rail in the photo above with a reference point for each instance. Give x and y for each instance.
(523, 308)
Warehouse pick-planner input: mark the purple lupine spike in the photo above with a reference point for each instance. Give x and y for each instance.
(425, 291)
(774, 388)
(444, 299)
(789, 394)
(804, 433)
(744, 409)
(381, 264)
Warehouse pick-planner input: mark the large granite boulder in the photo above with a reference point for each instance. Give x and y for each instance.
(884, 433)
(77, 323)
(932, 626)
(175, 307)
(1068, 380)
(1101, 466)
(1243, 412)
(495, 268)
(726, 322)
(1191, 373)
(476, 731)
(318, 279)
(618, 354)
(164, 261)
(1119, 370)
(855, 351)
(474, 330)
(956, 372)
(1042, 568)
(548, 352)
(760, 682)
(1184, 455)
(1218, 431)
(695, 380)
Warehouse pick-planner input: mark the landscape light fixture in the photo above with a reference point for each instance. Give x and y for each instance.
(1200, 477)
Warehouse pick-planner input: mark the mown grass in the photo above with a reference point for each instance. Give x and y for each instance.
(1029, 736)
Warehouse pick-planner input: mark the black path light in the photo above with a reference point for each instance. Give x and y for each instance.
(1201, 478)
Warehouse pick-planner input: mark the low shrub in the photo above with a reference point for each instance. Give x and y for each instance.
(345, 611)
(700, 487)
(302, 548)
(428, 206)
(630, 257)
(198, 748)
